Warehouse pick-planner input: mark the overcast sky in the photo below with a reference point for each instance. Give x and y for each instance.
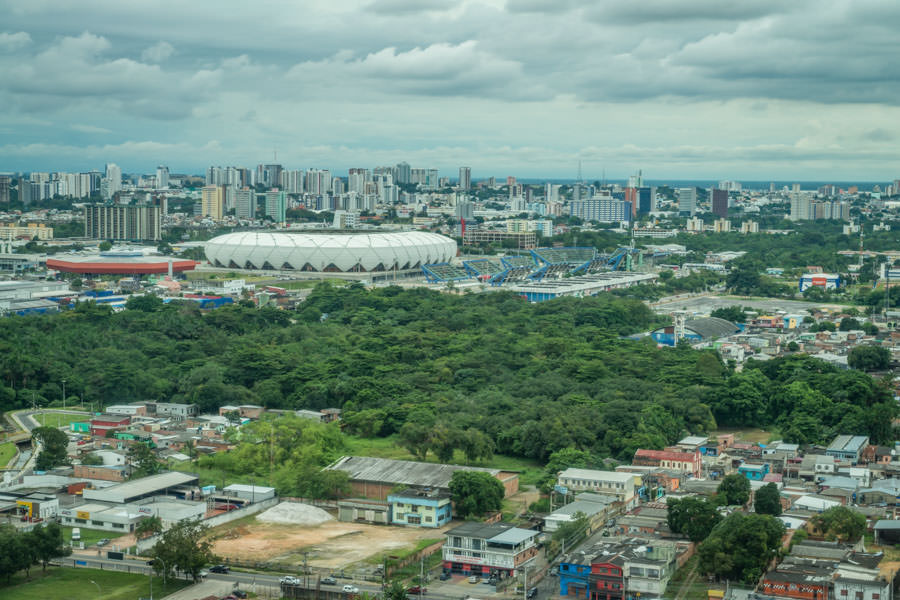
(804, 90)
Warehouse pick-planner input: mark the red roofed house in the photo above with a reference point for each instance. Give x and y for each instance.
(685, 462)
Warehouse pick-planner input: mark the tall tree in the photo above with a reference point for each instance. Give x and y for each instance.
(767, 500)
(183, 547)
(53, 447)
(692, 517)
(476, 493)
(143, 461)
(47, 543)
(740, 547)
(734, 489)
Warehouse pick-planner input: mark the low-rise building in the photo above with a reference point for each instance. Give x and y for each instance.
(421, 507)
(612, 483)
(689, 462)
(848, 447)
(490, 550)
(353, 510)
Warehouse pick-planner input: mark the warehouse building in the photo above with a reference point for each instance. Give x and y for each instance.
(378, 477)
(173, 483)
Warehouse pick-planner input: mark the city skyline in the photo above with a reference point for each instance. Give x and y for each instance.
(697, 90)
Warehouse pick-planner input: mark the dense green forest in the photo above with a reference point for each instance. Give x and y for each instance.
(533, 378)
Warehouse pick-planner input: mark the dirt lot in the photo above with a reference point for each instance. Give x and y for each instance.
(333, 544)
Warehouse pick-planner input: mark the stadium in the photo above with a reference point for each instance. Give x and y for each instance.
(329, 252)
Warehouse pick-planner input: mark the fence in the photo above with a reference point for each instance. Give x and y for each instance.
(146, 544)
(313, 502)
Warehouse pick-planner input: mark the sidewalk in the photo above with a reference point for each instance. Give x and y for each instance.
(202, 590)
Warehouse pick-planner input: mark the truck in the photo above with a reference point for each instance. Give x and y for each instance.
(76, 534)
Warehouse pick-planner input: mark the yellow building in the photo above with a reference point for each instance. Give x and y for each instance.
(212, 202)
(30, 231)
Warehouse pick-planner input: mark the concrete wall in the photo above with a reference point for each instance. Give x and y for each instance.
(147, 543)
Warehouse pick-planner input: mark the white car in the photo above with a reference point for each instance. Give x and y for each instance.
(289, 580)
(350, 589)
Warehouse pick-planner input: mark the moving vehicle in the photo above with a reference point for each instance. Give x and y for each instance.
(76, 534)
(203, 573)
(289, 580)
(219, 569)
(531, 593)
(446, 575)
(350, 589)
(329, 580)
(416, 590)
(474, 579)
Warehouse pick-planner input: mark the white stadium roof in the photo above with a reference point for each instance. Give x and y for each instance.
(329, 252)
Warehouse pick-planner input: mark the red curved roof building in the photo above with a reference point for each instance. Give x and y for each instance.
(120, 265)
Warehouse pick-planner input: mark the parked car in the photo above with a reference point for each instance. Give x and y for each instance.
(329, 580)
(203, 573)
(238, 593)
(416, 590)
(102, 542)
(474, 579)
(350, 589)
(531, 593)
(446, 575)
(289, 580)
(219, 569)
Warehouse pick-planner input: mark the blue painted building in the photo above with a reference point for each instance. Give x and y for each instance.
(573, 576)
(420, 507)
(754, 472)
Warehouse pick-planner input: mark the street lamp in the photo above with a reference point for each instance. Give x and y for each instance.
(64, 394)
(151, 574)
(99, 591)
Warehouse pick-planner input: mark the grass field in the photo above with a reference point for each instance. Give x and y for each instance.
(84, 584)
(89, 536)
(753, 436)
(7, 452)
(58, 419)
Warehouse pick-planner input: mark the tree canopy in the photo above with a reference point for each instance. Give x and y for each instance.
(734, 489)
(53, 447)
(840, 523)
(740, 547)
(183, 547)
(693, 517)
(767, 500)
(475, 493)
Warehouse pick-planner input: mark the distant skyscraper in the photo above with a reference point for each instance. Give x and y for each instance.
(687, 200)
(465, 210)
(801, 207)
(720, 203)
(645, 200)
(123, 222)
(212, 201)
(402, 173)
(4, 188)
(162, 177)
(245, 204)
(276, 205)
(602, 210)
(113, 179)
(465, 178)
(292, 182)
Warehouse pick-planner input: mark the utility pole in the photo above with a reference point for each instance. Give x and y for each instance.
(64, 394)
(421, 575)
(305, 571)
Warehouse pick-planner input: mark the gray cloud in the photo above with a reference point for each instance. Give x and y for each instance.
(480, 76)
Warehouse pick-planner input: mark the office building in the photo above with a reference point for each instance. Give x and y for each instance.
(276, 205)
(646, 201)
(465, 178)
(720, 203)
(113, 180)
(687, 201)
(162, 177)
(5, 181)
(602, 210)
(212, 202)
(123, 222)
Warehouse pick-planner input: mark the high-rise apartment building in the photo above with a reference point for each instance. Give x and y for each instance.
(318, 181)
(245, 203)
(720, 203)
(276, 205)
(292, 182)
(162, 177)
(602, 210)
(5, 182)
(113, 179)
(465, 178)
(212, 202)
(402, 173)
(687, 200)
(140, 222)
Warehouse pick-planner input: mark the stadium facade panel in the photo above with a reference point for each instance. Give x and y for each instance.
(329, 252)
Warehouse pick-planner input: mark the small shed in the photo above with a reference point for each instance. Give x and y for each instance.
(887, 532)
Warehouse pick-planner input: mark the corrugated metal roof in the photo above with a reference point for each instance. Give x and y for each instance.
(403, 472)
